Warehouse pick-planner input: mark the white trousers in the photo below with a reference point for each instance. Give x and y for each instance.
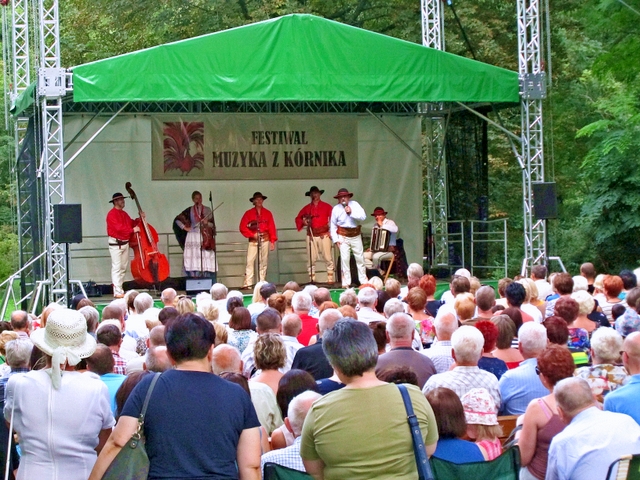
(252, 253)
(348, 245)
(372, 260)
(119, 263)
(320, 246)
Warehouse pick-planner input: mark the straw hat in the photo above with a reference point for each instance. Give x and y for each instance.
(65, 339)
(480, 407)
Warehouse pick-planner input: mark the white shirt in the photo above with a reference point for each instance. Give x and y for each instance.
(533, 311)
(340, 218)
(368, 314)
(390, 225)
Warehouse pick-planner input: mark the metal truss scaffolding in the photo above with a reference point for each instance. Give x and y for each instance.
(533, 91)
(52, 86)
(434, 130)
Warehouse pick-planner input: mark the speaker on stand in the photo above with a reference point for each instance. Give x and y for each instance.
(67, 228)
(545, 206)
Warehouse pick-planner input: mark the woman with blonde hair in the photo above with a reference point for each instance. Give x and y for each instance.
(269, 355)
(185, 305)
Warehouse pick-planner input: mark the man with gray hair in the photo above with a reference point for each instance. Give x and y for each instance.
(17, 358)
(226, 358)
(301, 304)
(219, 293)
(296, 414)
(467, 343)
(521, 385)
(393, 306)
(312, 358)
(291, 328)
(604, 375)
(440, 352)
(168, 297)
(401, 330)
(367, 300)
(348, 297)
(93, 318)
(592, 440)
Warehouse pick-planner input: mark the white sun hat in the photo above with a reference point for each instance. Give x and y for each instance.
(65, 339)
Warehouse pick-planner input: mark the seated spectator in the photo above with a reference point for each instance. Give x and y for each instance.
(400, 333)
(452, 427)
(110, 336)
(514, 314)
(612, 287)
(240, 333)
(563, 287)
(506, 333)
(539, 275)
(568, 308)
(348, 297)
(312, 358)
(503, 283)
(379, 330)
(20, 323)
(619, 310)
(440, 351)
(629, 281)
(344, 431)
(383, 298)
(268, 321)
(625, 398)
(428, 285)
(367, 301)
(516, 296)
(481, 415)
(167, 314)
(302, 304)
(531, 305)
(226, 358)
(291, 328)
(521, 385)
(292, 384)
(297, 411)
(630, 320)
(291, 285)
(398, 375)
(557, 330)
(488, 361)
(593, 438)
(467, 343)
(458, 285)
(101, 363)
(484, 300)
(604, 375)
(465, 307)
(269, 355)
(588, 271)
(93, 319)
(585, 307)
(416, 301)
(414, 273)
(278, 302)
(392, 287)
(541, 421)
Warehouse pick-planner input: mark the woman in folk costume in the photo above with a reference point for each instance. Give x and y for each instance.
(195, 232)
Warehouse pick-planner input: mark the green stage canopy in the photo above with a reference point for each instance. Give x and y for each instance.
(292, 58)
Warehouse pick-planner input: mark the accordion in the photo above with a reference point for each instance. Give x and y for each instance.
(380, 239)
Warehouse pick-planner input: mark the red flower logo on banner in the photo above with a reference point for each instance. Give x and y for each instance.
(183, 146)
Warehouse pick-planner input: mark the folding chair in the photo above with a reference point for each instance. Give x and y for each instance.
(273, 471)
(389, 268)
(505, 467)
(627, 468)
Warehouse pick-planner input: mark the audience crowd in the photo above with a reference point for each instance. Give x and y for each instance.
(308, 381)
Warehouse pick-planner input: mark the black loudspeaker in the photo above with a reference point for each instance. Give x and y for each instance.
(545, 204)
(197, 285)
(67, 223)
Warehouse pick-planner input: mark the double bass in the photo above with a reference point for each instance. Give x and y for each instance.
(148, 264)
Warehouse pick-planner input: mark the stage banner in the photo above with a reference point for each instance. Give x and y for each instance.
(254, 147)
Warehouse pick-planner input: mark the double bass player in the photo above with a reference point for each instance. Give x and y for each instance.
(120, 227)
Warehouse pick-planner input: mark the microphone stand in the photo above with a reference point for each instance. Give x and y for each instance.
(311, 244)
